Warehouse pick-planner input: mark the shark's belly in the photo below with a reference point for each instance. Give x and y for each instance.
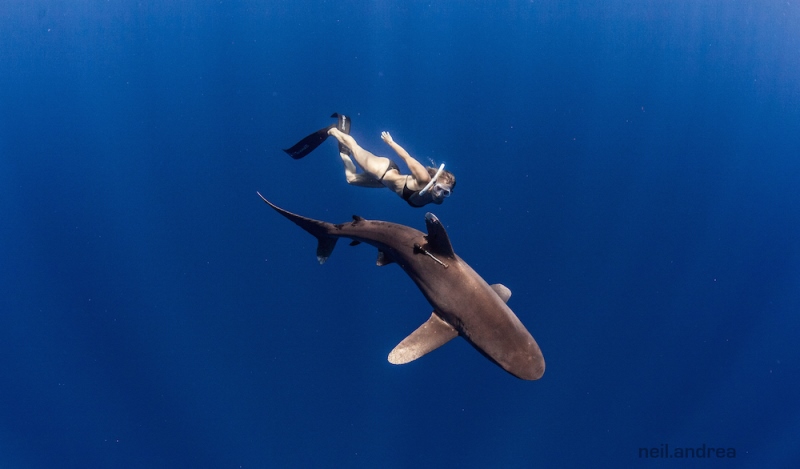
(464, 300)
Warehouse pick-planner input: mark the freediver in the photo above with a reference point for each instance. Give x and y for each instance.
(423, 186)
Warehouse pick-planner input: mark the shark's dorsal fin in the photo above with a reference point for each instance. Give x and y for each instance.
(357, 219)
(431, 335)
(502, 291)
(383, 259)
(438, 241)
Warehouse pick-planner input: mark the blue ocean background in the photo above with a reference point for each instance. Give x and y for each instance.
(628, 168)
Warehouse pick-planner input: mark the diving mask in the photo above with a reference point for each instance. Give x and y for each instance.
(433, 181)
(440, 190)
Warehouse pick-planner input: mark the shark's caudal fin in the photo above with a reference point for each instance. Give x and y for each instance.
(319, 229)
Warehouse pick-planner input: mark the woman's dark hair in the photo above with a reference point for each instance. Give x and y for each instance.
(446, 177)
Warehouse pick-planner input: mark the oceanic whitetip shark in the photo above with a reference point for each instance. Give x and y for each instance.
(463, 303)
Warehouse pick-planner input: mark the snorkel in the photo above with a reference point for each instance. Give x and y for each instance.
(433, 181)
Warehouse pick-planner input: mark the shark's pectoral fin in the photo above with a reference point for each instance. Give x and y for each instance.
(383, 259)
(428, 337)
(502, 291)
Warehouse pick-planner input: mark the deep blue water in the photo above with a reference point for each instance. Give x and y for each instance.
(629, 169)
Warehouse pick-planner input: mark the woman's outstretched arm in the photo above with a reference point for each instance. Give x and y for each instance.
(418, 171)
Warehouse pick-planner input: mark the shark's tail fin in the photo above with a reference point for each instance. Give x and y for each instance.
(320, 230)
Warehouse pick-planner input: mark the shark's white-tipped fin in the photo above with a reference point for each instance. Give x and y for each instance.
(502, 291)
(325, 248)
(383, 259)
(431, 335)
(438, 242)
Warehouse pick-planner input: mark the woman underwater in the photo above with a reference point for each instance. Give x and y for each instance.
(423, 186)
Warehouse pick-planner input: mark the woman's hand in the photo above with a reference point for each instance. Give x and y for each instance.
(387, 138)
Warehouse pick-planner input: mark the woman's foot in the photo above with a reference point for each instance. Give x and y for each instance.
(339, 135)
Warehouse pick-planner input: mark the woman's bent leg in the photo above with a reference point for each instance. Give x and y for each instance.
(354, 177)
(375, 166)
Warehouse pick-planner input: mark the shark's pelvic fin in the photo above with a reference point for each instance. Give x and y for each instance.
(325, 248)
(428, 337)
(502, 291)
(383, 259)
(438, 241)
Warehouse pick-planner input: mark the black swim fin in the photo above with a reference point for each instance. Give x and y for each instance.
(311, 142)
(343, 122)
(308, 144)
